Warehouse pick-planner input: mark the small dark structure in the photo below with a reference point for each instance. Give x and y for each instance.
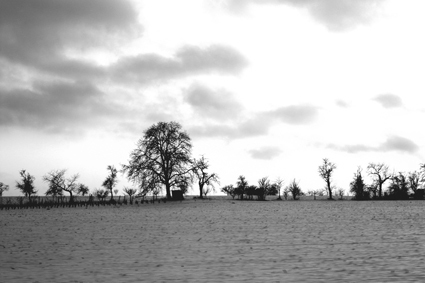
(177, 194)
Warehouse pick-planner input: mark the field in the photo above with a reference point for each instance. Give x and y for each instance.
(216, 240)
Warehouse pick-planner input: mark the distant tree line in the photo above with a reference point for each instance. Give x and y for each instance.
(162, 160)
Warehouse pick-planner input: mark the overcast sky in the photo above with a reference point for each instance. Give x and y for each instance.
(263, 87)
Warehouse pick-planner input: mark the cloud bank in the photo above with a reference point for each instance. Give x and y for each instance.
(336, 15)
(393, 143)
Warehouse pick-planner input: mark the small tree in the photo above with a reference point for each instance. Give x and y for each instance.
(399, 187)
(241, 186)
(82, 189)
(358, 187)
(341, 193)
(111, 180)
(379, 172)
(208, 190)
(57, 180)
(130, 192)
(264, 188)
(278, 185)
(295, 190)
(54, 191)
(101, 194)
(414, 181)
(315, 193)
(3, 188)
(26, 186)
(200, 169)
(229, 190)
(326, 170)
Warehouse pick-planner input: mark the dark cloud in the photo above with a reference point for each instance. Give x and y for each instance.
(265, 153)
(336, 15)
(214, 104)
(296, 114)
(393, 143)
(189, 60)
(396, 143)
(389, 100)
(55, 107)
(38, 33)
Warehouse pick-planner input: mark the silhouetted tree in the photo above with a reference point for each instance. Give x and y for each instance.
(200, 168)
(26, 186)
(208, 189)
(101, 194)
(111, 180)
(379, 172)
(57, 180)
(414, 179)
(3, 188)
(358, 187)
(278, 185)
(341, 193)
(130, 192)
(326, 170)
(315, 193)
(230, 190)
(399, 187)
(54, 191)
(264, 188)
(241, 186)
(162, 155)
(82, 189)
(295, 190)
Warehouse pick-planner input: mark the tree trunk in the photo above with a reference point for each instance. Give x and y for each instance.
(201, 190)
(168, 189)
(329, 189)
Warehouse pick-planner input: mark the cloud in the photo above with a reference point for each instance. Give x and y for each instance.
(295, 114)
(396, 143)
(336, 15)
(393, 143)
(265, 153)
(188, 60)
(389, 100)
(217, 104)
(342, 103)
(55, 107)
(40, 33)
(260, 123)
(246, 129)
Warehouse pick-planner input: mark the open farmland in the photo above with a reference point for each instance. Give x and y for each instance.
(216, 240)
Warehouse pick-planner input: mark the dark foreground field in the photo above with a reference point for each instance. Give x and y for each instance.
(216, 240)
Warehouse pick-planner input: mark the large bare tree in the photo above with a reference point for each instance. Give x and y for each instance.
(57, 180)
(162, 156)
(326, 170)
(379, 172)
(200, 168)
